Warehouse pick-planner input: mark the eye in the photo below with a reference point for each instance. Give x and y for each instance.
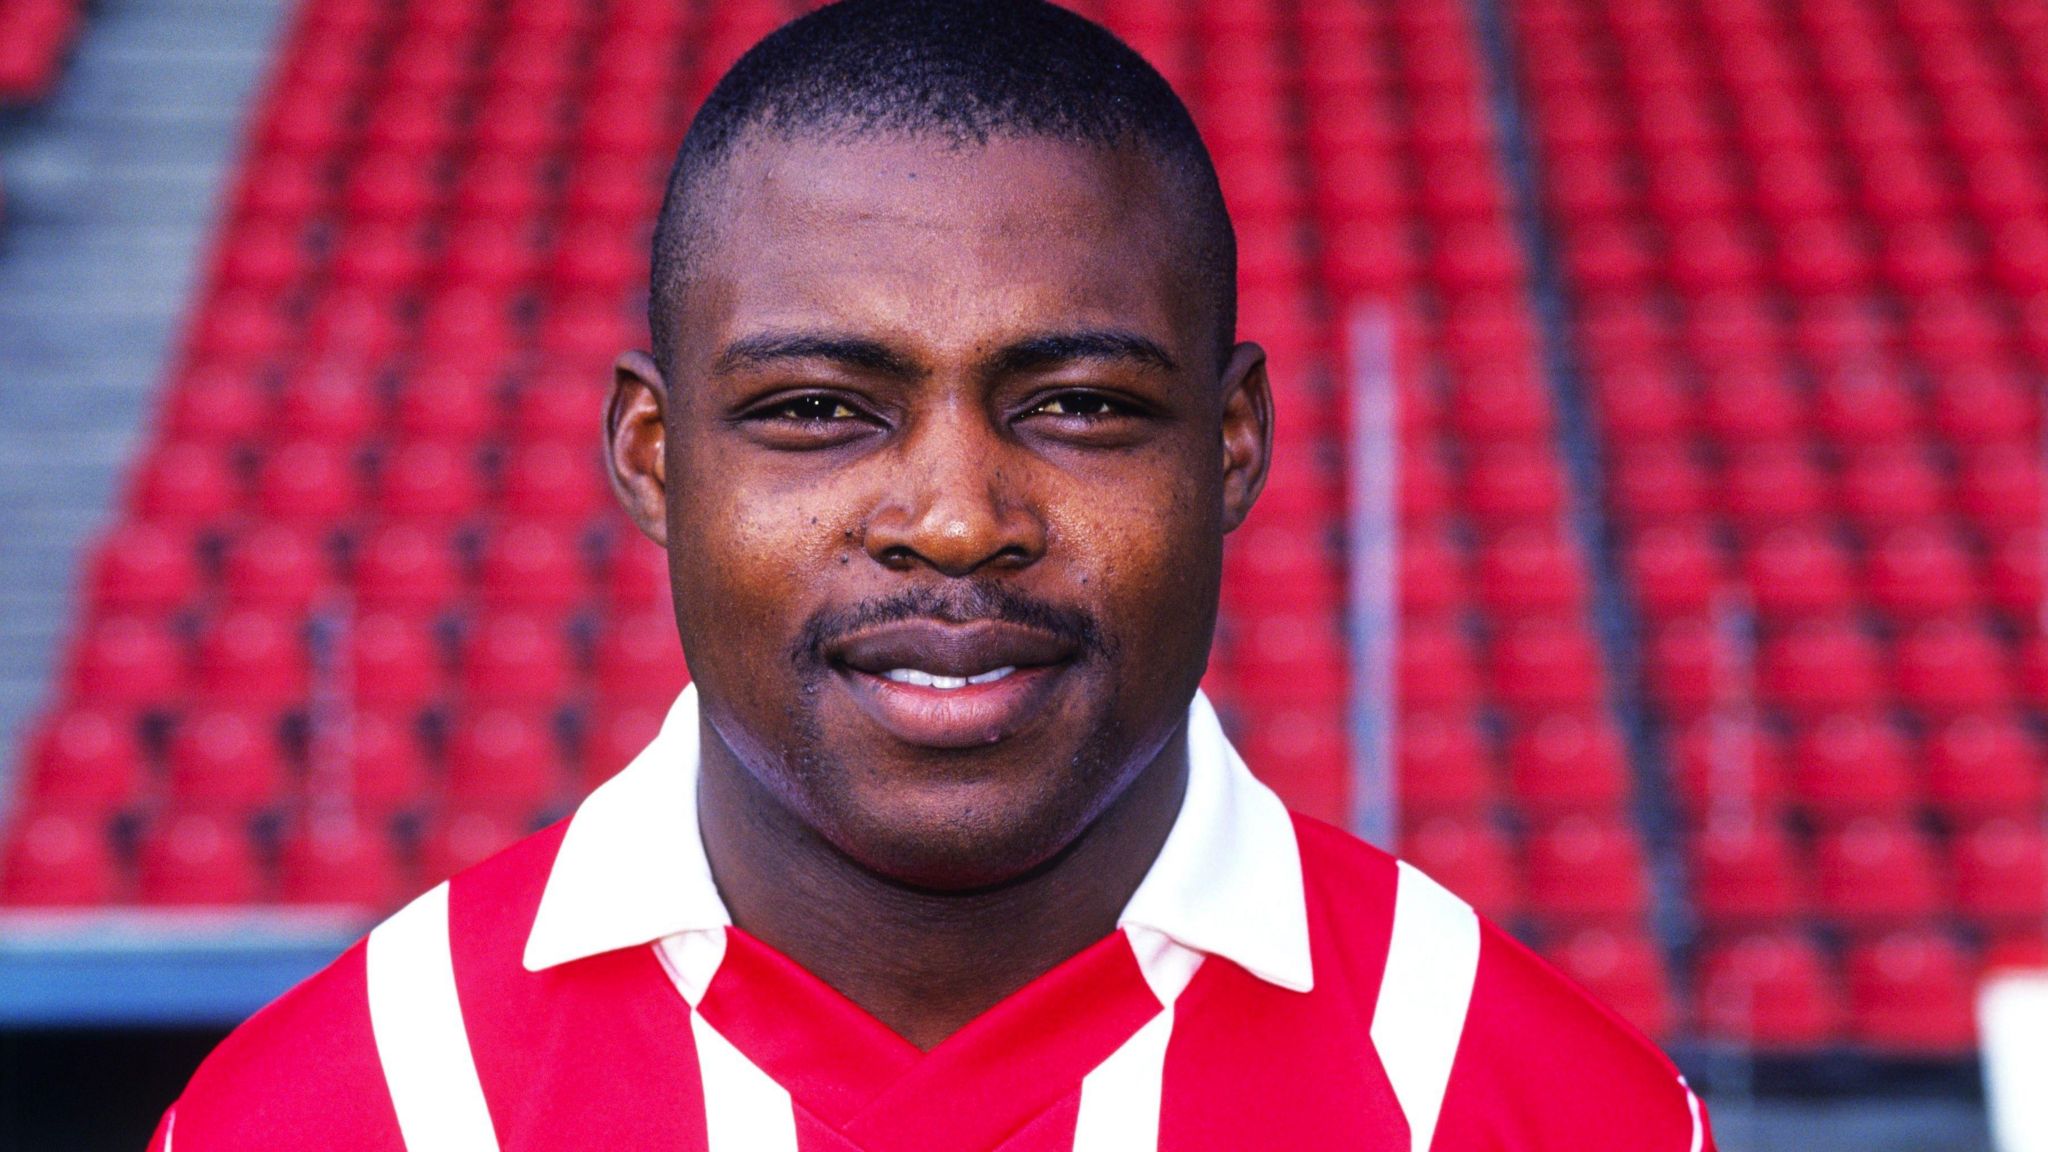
(810, 410)
(1086, 405)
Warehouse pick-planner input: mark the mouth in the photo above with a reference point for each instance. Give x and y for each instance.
(940, 685)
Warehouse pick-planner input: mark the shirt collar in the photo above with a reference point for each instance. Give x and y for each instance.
(631, 868)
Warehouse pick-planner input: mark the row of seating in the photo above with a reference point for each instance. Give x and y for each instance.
(1798, 246)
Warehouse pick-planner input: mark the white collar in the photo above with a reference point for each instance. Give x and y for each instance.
(632, 869)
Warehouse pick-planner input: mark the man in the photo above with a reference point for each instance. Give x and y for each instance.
(943, 428)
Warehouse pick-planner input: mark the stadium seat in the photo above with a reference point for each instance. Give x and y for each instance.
(1746, 873)
(127, 660)
(1912, 992)
(87, 760)
(1470, 858)
(406, 566)
(2001, 873)
(532, 565)
(198, 859)
(1624, 970)
(516, 659)
(58, 859)
(146, 567)
(431, 481)
(253, 656)
(1586, 870)
(464, 837)
(1568, 763)
(1442, 766)
(280, 566)
(1877, 871)
(1853, 764)
(1772, 990)
(503, 758)
(1983, 765)
(340, 861)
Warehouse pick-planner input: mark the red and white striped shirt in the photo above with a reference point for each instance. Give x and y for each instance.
(1273, 983)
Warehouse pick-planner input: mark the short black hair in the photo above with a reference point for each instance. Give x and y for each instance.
(964, 70)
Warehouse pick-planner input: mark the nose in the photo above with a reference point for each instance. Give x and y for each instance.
(957, 501)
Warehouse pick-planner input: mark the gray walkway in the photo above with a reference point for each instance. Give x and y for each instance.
(111, 190)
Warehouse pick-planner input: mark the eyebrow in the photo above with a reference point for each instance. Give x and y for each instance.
(851, 351)
(1033, 353)
(1093, 344)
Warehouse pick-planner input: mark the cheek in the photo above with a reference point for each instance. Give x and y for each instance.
(1144, 551)
(753, 559)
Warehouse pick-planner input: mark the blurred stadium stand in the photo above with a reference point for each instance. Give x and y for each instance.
(1716, 329)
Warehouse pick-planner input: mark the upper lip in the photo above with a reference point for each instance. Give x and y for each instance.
(947, 649)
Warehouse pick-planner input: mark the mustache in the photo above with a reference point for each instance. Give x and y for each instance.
(964, 603)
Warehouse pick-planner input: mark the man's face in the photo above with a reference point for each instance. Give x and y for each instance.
(948, 461)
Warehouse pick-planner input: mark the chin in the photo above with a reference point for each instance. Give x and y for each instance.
(961, 835)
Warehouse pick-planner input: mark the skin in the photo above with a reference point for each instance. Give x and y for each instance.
(939, 384)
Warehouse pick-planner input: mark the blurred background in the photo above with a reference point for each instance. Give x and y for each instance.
(1654, 550)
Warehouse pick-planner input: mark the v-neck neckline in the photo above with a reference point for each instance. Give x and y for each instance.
(881, 1093)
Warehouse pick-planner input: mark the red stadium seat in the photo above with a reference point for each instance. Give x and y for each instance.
(464, 837)
(1799, 570)
(1624, 970)
(1437, 668)
(1658, 483)
(373, 761)
(1676, 570)
(252, 656)
(532, 565)
(636, 575)
(406, 566)
(1546, 665)
(1568, 763)
(340, 861)
(1884, 487)
(1921, 572)
(185, 482)
(430, 481)
(217, 406)
(1912, 992)
(313, 482)
(1514, 484)
(1729, 764)
(1945, 668)
(56, 859)
(1766, 486)
(1586, 870)
(195, 858)
(1771, 990)
(640, 658)
(85, 760)
(1999, 487)
(1531, 570)
(1822, 666)
(1876, 872)
(394, 661)
(278, 566)
(1442, 766)
(554, 482)
(1470, 858)
(227, 760)
(516, 659)
(2001, 873)
(145, 567)
(336, 403)
(454, 402)
(503, 758)
(1745, 872)
(615, 732)
(1983, 765)
(131, 660)
(1852, 764)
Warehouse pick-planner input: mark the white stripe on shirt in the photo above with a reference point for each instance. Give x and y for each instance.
(1432, 961)
(416, 1018)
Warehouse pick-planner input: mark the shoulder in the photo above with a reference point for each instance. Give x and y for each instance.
(304, 1072)
(1523, 1056)
(1541, 1058)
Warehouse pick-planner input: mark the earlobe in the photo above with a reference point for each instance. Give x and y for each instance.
(1247, 432)
(636, 441)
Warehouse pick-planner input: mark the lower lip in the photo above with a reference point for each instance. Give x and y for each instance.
(973, 716)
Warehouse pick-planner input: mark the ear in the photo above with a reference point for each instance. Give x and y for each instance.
(1247, 432)
(636, 436)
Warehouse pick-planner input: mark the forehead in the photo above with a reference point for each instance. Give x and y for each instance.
(937, 243)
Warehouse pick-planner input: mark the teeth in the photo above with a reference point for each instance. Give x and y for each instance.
(922, 679)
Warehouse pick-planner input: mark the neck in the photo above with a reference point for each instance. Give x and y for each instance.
(925, 963)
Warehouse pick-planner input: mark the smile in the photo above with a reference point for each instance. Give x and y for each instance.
(924, 679)
(944, 685)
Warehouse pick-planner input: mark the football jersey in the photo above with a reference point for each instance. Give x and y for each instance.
(1273, 983)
